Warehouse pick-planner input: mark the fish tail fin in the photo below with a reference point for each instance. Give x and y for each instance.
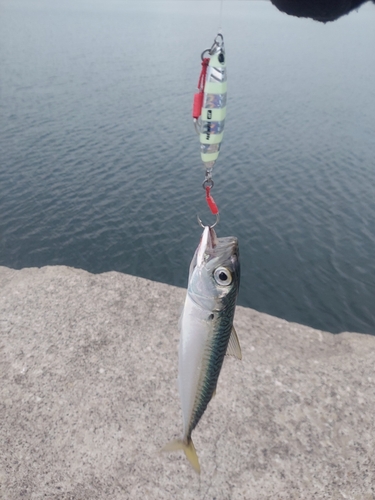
(189, 450)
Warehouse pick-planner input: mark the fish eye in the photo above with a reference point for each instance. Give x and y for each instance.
(223, 276)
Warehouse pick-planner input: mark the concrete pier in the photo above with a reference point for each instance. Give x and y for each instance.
(88, 396)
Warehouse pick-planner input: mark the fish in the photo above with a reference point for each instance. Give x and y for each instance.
(206, 331)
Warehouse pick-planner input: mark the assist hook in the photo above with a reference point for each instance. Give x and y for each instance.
(213, 225)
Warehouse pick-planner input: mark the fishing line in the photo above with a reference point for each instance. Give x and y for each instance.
(220, 30)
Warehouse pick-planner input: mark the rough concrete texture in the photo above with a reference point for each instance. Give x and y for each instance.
(88, 396)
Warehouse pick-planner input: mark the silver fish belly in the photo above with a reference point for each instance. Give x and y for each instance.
(206, 330)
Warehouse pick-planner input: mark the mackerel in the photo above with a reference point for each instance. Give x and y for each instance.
(206, 331)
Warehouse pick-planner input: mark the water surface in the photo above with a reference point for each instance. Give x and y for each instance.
(100, 165)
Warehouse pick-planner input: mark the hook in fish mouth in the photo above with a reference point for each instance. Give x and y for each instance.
(212, 226)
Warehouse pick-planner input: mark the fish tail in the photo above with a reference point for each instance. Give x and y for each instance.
(189, 450)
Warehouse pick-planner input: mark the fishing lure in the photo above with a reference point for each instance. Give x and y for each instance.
(209, 111)
(209, 108)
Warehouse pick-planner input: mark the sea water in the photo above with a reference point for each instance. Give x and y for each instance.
(100, 165)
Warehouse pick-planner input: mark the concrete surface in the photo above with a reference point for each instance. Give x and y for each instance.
(88, 396)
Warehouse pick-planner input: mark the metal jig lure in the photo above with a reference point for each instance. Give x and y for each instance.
(209, 111)
(209, 108)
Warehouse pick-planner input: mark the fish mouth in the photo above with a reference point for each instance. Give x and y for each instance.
(214, 251)
(206, 246)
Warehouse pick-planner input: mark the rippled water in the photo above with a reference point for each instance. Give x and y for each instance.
(100, 165)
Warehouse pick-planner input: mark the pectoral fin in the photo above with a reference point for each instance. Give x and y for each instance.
(234, 348)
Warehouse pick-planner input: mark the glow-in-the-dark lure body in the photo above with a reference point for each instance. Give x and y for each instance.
(214, 99)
